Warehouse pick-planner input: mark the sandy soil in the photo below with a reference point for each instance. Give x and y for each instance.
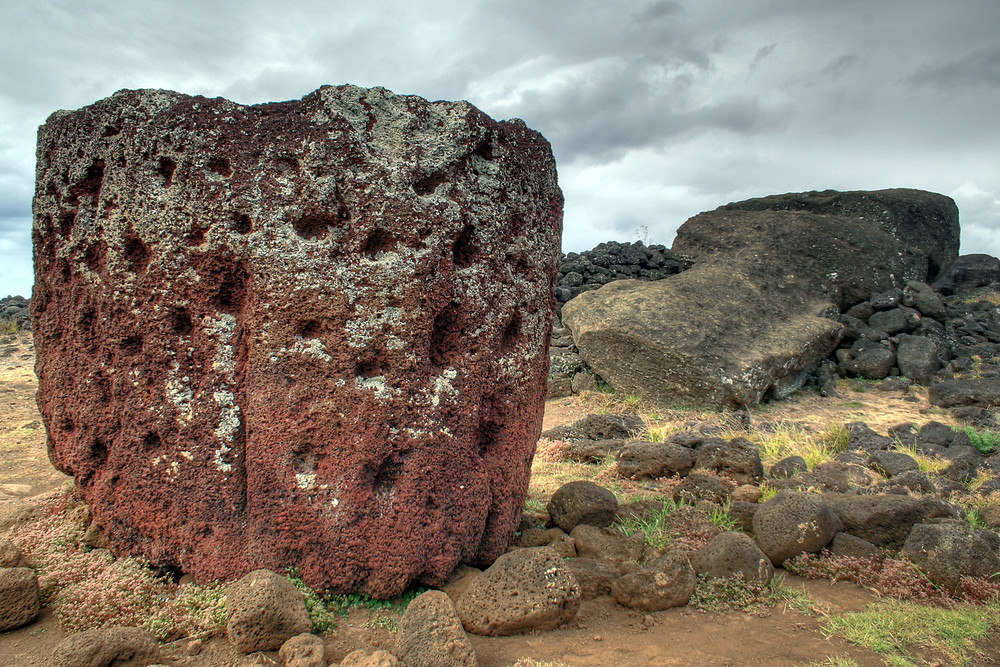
(603, 633)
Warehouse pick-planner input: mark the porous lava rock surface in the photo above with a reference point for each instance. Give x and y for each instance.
(306, 333)
(749, 318)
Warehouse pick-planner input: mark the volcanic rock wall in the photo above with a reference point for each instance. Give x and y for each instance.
(309, 333)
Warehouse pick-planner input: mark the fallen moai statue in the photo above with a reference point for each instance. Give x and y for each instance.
(310, 333)
(752, 313)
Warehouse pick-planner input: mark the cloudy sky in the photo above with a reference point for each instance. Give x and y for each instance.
(656, 110)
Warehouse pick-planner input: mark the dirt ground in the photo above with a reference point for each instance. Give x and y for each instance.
(603, 633)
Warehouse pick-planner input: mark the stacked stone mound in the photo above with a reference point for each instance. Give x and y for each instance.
(916, 333)
(588, 270)
(309, 333)
(750, 317)
(14, 312)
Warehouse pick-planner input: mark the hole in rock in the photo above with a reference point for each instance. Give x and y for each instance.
(464, 251)
(368, 369)
(90, 184)
(508, 342)
(242, 223)
(313, 227)
(132, 345)
(488, 435)
(232, 291)
(165, 168)
(287, 164)
(386, 476)
(220, 166)
(111, 130)
(66, 221)
(378, 241)
(426, 186)
(310, 329)
(94, 257)
(151, 441)
(445, 342)
(304, 463)
(181, 322)
(195, 237)
(136, 254)
(98, 451)
(66, 425)
(484, 149)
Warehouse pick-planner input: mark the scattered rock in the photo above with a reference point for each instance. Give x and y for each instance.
(891, 463)
(640, 460)
(845, 544)
(595, 576)
(19, 603)
(610, 427)
(793, 522)
(884, 520)
(608, 544)
(526, 589)
(789, 466)
(947, 551)
(305, 650)
(666, 582)
(737, 459)
(582, 502)
(134, 647)
(747, 493)
(697, 487)
(365, 658)
(730, 553)
(10, 555)
(264, 610)
(965, 391)
(431, 634)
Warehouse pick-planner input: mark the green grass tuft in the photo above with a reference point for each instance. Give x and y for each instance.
(895, 628)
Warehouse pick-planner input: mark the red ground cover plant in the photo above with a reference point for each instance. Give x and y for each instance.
(890, 577)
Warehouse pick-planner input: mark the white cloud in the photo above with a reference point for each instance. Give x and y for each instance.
(655, 112)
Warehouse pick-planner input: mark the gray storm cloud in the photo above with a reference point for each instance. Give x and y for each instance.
(655, 110)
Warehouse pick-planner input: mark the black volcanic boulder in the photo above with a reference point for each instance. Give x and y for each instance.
(925, 221)
(749, 315)
(969, 272)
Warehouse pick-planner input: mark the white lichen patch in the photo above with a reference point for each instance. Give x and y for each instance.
(229, 416)
(305, 481)
(229, 423)
(222, 328)
(178, 392)
(312, 347)
(376, 384)
(443, 386)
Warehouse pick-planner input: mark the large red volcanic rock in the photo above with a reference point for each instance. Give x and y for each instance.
(309, 333)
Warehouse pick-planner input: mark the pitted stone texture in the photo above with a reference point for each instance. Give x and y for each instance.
(134, 647)
(524, 590)
(582, 502)
(791, 523)
(19, 603)
(431, 634)
(948, 551)
(305, 650)
(296, 334)
(665, 582)
(730, 553)
(264, 610)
